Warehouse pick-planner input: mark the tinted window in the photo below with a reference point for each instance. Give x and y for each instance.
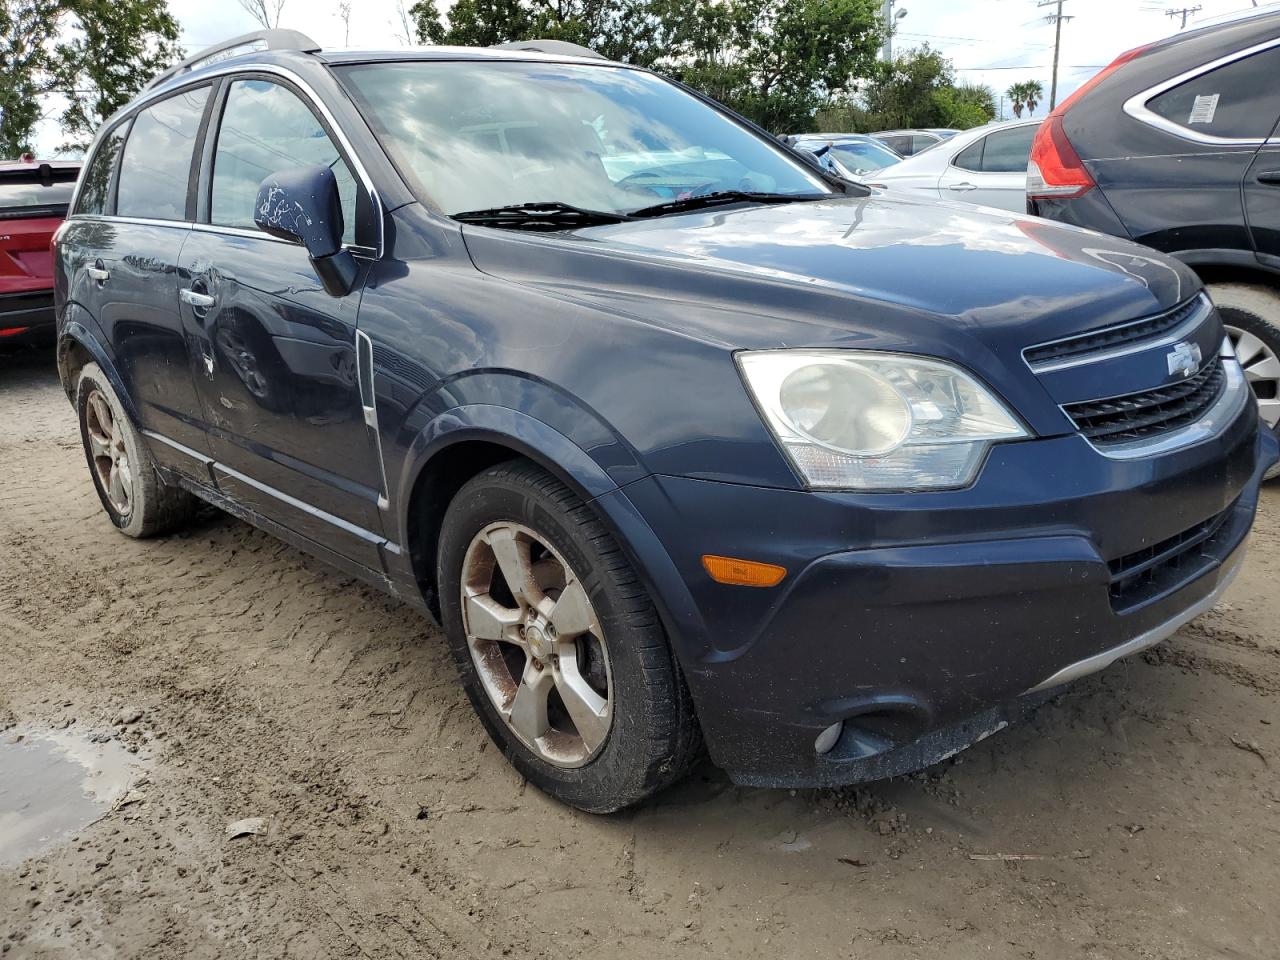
(266, 128)
(920, 143)
(477, 135)
(157, 158)
(27, 193)
(901, 144)
(970, 158)
(1007, 151)
(95, 193)
(1237, 100)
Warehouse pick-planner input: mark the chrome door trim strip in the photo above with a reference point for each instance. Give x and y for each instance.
(1136, 106)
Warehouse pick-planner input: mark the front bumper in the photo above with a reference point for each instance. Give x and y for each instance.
(26, 315)
(922, 622)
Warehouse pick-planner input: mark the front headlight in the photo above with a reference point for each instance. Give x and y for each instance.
(876, 421)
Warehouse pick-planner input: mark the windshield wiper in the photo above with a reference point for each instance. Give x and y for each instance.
(540, 215)
(721, 197)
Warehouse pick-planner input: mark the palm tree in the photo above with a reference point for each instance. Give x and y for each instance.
(1025, 95)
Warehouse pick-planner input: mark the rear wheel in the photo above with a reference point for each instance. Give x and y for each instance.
(558, 645)
(138, 502)
(1251, 315)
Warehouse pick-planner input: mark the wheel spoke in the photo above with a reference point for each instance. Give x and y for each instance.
(529, 706)
(1265, 368)
(101, 412)
(1248, 347)
(115, 488)
(588, 710)
(571, 614)
(98, 445)
(1269, 410)
(512, 554)
(489, 620)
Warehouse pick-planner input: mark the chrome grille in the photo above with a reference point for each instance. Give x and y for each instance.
(1082, 347)
(1147, 413)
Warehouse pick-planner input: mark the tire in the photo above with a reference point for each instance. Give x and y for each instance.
(652, 737)
(140, 504)
(1248, 312)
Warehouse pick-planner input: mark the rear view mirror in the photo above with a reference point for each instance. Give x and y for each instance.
(301, 204)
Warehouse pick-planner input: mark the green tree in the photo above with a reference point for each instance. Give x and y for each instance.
(966, 105)
(775, 61)
(1025, 95)
(116, 48)
(24, 38)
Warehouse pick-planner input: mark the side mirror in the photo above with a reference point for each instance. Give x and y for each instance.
(302, 205)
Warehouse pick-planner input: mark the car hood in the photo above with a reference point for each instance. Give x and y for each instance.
(996, 273)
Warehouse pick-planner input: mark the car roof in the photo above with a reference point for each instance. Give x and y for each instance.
(33, 166)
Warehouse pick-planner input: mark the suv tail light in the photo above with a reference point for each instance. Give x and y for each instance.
(1055, 169)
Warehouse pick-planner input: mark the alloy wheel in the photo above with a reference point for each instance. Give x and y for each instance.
(109, 453)
(1261, 369)
(537, 644)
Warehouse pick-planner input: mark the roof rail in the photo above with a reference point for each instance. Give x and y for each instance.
(559, 48)
(246, 43)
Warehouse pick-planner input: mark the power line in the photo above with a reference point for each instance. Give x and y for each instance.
(1056, 19)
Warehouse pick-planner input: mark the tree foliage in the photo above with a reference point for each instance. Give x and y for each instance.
(1025, 95)
(775, 61)
(96, 53)
(917, 90)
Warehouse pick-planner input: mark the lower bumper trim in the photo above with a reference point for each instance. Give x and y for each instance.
(1149, 638)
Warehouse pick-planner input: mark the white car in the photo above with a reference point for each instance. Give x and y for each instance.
(986, 165)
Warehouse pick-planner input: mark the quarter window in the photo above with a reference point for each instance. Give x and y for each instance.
(267, 128)
(95, 192)
(156, 166)
(1237, 100)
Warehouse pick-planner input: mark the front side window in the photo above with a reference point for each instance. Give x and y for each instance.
(266, 128)
(156, 166)
(95, 192)
(1237, 100)
(476, 136)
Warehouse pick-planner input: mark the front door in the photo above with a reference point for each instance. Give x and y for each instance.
(277, 369)
(1262, 201)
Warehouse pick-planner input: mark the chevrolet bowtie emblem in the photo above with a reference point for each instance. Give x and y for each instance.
(1184, 360)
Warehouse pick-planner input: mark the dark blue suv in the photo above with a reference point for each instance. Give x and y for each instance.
(681, 438)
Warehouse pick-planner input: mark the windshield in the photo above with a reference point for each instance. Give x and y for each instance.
(862, 156)
(478, 135)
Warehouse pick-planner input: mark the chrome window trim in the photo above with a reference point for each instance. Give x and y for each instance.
(1203, 309)
(230, 70)
(1136, 106)
(1235, 395)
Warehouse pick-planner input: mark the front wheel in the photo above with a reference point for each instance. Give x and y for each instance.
(1251, 315)
(559, 647)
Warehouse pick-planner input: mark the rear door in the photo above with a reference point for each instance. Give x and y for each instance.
(277, 370)
(1262, 200)
(992, 170)
(124, 256)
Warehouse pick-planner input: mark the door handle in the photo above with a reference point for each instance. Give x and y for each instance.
(98, 273)
(201, 301)
(963, 187)
(1270, 177)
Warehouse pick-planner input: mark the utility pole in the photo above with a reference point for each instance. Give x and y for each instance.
(1056, 19)
(890, 21)
(1185, 12)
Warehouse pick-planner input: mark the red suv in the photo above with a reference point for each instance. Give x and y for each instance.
(33, 202)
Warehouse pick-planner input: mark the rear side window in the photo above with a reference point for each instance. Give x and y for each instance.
(921, 143)
(95, 192)
(1237, 100)
(156, 166)
(1007, 151)
(25, 193)
(266, 128)
(901, 144)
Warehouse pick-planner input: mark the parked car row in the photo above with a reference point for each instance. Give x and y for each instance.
(682, 437)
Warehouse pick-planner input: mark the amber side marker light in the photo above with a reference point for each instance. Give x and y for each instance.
(743, 573)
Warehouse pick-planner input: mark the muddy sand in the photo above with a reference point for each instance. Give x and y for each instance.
(1138, 815)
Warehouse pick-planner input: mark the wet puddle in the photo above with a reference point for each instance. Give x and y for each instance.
(53, 784)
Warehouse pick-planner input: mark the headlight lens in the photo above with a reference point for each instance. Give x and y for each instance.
(876, 421)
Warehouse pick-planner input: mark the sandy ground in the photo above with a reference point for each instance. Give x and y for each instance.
(1146, 800)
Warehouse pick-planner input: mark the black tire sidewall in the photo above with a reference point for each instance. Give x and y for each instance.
(617, 774)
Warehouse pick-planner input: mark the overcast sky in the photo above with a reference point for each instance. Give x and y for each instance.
(996, 42)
